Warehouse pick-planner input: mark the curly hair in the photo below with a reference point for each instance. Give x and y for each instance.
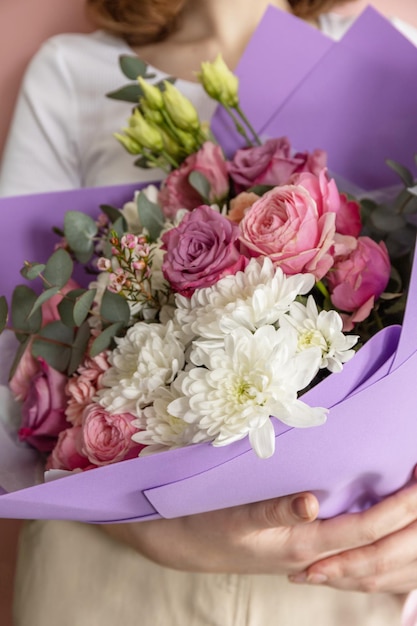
(141, 22)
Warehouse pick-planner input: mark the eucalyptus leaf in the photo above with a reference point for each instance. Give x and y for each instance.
(30, 271)
(120, 226)
(83, 305)
(128, 93)
(401, 241)
(113, 214)
(79, 347)
(66, 306)
(144, 163)
(132, 66)
(200, 183)
(80, 230)
(161, 83)
(114, 308)
(4, 313)
(404, 173)
(58, 269)
(44, 297)
(150, 216)
(23, 299)
(53, 344)
(19, 353)
(260, 190)
(103, 341)
(386, 220)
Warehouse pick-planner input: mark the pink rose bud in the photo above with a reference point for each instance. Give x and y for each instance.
(67, 452)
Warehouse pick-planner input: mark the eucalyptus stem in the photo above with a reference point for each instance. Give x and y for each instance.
(323, 289)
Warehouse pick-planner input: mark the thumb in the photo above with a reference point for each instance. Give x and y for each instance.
(299, 508)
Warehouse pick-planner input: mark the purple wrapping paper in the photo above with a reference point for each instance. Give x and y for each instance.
(366, 449)
(356, 99)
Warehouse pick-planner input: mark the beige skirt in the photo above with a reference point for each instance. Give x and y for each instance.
(71, 574)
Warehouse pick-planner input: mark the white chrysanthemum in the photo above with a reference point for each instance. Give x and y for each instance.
(252, 298)
(150, 355)
(253, 377)
(320, 329)
(159, 430)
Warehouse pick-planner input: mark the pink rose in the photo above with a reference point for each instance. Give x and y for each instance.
(348, 218)
(201, 250)
(28, 366)
(43, 411)
(323, 191)
(285, 225)
(177, 193)
(108, 438)
(272, 164)
(67, 452)
(83, 386)
(357, 279)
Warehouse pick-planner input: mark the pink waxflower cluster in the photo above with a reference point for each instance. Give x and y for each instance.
(302, 223)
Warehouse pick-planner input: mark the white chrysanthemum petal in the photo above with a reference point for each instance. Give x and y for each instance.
(263, 440)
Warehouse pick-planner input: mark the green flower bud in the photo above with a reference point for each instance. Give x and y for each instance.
(188, 141)
(144, 132)
(151, 94)
(181, 111)
(219, 82)
(130, 144)
(150, 114)
(171, 146)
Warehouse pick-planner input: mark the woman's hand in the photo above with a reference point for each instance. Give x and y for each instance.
(385, 559)
(371, 551)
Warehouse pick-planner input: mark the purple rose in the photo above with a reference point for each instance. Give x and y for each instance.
(272, 164)
(201, 250)
(43, 411)
(177, 193)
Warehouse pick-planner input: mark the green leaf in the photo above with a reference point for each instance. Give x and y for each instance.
(79, 347)
(80, 231)
(23, 300)
(114, 308)
(83, 305)
(44, 297)
(260, 190)
(58, 269)
(66, 306)
(4, 313)
(54, 345)
(113, 214)
(150, 216)
(103, 341)
(129, 93)
(132, 66)
(405, 174)
(161, 83)
(20, 352)
(200, 183)
(120, 226)
(30, 271)
(144, 163)
(386, 220)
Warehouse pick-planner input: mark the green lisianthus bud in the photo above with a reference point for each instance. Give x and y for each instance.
(130, 144)
(150, 114)
(144, 132)
(188, 141)
(171, 146)
(151, 94)
(219, 82)
(181, 111)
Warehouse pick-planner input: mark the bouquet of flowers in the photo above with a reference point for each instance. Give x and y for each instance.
(217, 301)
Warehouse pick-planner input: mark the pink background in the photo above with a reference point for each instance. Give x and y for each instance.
(24, 24)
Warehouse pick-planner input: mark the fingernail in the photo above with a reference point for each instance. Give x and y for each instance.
(301, 507)
(312, 579)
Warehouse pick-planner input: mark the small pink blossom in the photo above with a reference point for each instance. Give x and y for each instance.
(286, 226)
(177, 193)
(43, 411)
(358, 278)
(272, 164)
(200, 250)
(107, 438)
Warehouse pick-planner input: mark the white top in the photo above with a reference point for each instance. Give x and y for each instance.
(61, 135)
